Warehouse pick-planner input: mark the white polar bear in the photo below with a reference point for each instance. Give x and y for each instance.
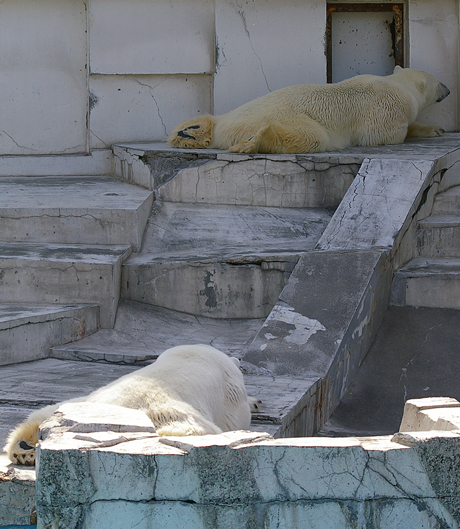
(363, 110)
(189, 390)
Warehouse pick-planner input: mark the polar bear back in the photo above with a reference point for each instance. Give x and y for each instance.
(187, 378)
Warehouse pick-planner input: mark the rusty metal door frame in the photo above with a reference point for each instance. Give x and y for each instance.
(397, 33)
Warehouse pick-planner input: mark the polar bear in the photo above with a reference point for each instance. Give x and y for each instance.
(363, 110)
(189, 390)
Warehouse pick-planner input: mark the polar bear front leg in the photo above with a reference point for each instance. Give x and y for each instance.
(302, 135)
(420, 130)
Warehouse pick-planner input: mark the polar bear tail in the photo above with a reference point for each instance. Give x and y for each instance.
(195, 133)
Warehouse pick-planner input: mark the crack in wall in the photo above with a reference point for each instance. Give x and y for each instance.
(246, 30)
(151, 89)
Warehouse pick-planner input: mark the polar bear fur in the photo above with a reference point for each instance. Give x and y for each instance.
(363, 110)
(189, 390)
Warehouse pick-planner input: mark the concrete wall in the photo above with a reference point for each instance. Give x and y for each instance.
(81, 75)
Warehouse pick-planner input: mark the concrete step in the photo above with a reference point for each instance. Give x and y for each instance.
(428, 282)
(447, 202)
(62, 273)
(218, 177)
(142, 332)
(220, 261)
(439, 236)
(27, 332)
(73, 210)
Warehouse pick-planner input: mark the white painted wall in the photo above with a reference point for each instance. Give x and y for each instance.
(145, 65)
(43, 79)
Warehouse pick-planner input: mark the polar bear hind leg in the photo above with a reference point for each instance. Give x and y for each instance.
(193, 134)
(420, 130)
(301, 135)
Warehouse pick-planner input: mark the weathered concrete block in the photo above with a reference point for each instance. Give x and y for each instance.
(242, 479)
(428, 282)
(17, 496)
(73, 210)
(439, 236)
(28, 332)
(57, 273)
(244, 288)
(434, 413)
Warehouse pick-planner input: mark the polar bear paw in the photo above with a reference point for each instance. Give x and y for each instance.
(420, 130)
(193, 134)
(21, 444)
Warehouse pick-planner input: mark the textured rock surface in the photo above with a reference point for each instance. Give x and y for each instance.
(244, 479)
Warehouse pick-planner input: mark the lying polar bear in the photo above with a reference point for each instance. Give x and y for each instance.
(364, 110)
(189, 390)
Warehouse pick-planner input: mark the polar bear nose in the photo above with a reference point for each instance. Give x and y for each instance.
(443, 92)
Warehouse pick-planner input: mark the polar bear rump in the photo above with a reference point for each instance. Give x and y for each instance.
(362, 111)
(189, 390)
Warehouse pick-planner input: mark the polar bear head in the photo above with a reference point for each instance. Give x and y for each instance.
(427, 89)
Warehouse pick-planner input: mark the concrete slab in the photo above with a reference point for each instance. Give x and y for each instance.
(58, 273)
(143, 331)
(428, 282)
(416, 354)
(27, 332)
(73, 210)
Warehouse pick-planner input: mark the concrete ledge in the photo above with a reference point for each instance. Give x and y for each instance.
(219, 177)
(242, 479)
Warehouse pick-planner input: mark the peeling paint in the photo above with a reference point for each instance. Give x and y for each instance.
(305, 327)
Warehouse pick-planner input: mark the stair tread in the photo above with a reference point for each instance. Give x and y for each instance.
(15, 314)
(98, 254)
(431, 265)
(57, 194)
(441, 220)
(142, 332)
(183, 230)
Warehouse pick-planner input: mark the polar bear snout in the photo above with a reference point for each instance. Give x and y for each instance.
(443, 92)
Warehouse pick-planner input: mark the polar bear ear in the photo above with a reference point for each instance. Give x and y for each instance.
(398, 69)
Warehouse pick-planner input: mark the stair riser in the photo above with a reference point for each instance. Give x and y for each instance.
(442, 241)
(62, 282)
(436, 290)
(24, 342)
(73, 227)
(206, 289)
(447, 205)
(261, 182)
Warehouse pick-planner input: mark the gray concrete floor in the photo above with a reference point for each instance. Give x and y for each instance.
(416, 354)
